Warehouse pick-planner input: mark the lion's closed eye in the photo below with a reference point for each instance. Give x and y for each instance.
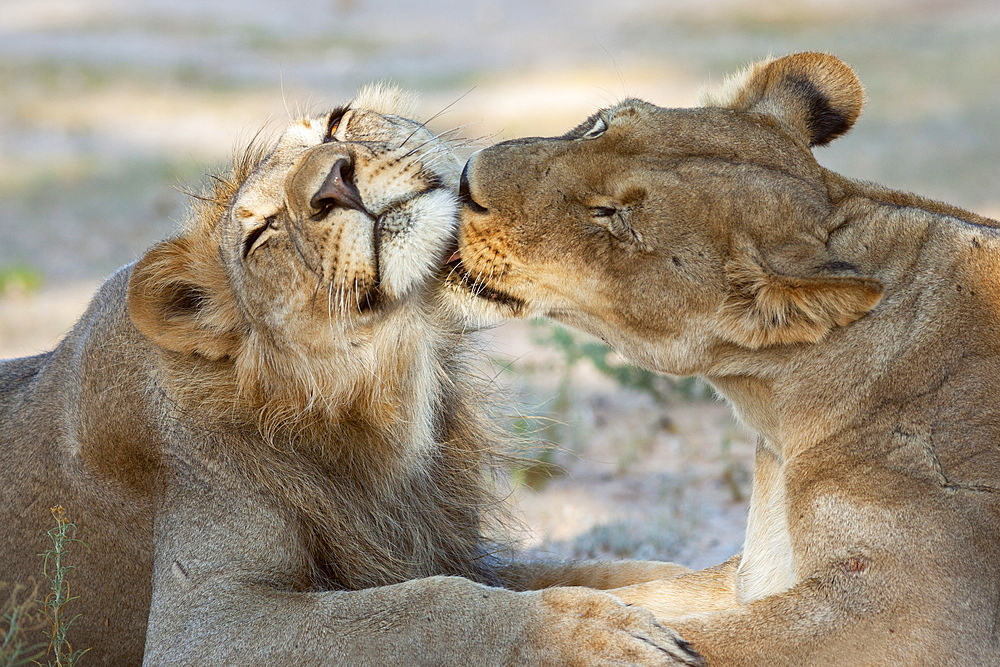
(336, 120)
(257, 236)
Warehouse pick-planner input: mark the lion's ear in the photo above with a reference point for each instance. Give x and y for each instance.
(815, 95)
(766, 308)
(179, 297)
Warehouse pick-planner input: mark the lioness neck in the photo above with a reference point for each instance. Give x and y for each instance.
(872, 390)
(941, 273)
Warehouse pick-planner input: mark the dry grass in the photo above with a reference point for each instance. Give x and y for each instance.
(20, 617)
(24, 614)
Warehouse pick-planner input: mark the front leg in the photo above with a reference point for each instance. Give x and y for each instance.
(813, 623)
(691, 592)
(231, 587)
(867, 609)
(601, 575)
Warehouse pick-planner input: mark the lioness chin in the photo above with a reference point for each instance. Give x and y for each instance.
(268, 441)
(854, 328)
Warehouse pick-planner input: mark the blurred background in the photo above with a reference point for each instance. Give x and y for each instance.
(108, 108)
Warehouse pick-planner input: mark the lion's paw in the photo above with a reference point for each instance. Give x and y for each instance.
(588, 627)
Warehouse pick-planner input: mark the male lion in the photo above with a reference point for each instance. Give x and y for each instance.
(266, 436)
(855, 329)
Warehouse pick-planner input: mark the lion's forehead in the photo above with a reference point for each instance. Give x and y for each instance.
(302, 133)
(381, 135)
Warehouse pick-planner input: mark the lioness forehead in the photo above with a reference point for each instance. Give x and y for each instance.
(637, 129)
(702, 126)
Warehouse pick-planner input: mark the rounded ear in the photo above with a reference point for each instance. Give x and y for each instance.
(180, 298)
(766, 308)
(815, 95)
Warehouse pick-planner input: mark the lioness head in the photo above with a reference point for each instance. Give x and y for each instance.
(674, 234)
(309, 267)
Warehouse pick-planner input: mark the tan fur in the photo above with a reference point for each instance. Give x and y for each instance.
(267, 436)
(854, 328)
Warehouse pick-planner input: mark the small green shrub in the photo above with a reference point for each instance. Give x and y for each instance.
(22, 614)
(19, 617)
(576, 349)
(57, 571)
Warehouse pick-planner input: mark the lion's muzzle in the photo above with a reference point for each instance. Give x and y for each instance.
(338, 190)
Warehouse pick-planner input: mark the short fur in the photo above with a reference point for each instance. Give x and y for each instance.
(856, 329)
(266, 436)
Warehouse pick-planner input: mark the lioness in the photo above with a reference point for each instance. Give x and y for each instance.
(856, 329)
(267, 438)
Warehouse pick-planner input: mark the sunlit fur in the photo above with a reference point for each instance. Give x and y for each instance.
(361, 424)
(854, 328)
(290, 353)
(268, 438)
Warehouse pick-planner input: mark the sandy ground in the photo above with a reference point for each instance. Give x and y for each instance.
(107, 107)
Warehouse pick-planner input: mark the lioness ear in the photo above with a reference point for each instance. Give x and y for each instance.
(765, 308)
(179, 297)
(815, 95)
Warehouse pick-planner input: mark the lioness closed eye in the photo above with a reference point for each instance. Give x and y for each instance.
(855, 328)
(265, 434)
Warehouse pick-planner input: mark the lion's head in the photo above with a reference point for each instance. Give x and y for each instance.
(308, 270)
(674, 234)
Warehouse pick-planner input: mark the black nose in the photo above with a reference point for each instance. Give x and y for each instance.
(465, 194)
(338, 190)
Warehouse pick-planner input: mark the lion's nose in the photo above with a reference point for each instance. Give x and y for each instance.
(338, 190)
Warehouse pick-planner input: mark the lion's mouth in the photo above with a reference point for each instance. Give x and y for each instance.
(458, 274)
(369, 301)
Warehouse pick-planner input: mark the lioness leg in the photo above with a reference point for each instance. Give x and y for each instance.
(602, 575)
(867, 609)
(691, 592)
(810, 624)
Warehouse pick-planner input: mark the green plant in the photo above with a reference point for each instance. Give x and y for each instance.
(660, 538)
(535, 466)
(18, 279)
(576, 349)
(630, 449)
(19, 617)
(57, 572)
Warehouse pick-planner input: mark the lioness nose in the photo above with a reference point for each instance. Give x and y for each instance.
(338, 189)
(465, 192)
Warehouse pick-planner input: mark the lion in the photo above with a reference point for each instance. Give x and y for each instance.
(268, 437)
(853, 328)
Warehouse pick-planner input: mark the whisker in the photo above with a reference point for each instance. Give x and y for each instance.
(343, 295)
(423, 125)
(618, 70)
(284, 98)
(432, 140)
